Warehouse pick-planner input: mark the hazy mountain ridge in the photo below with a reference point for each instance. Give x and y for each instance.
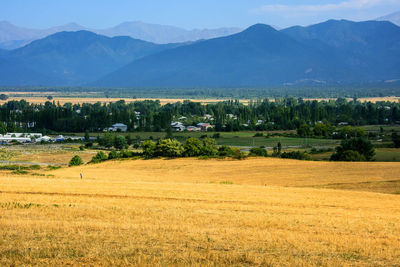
(12, 37)
(333, 52)
(72, 58)
(329, 52)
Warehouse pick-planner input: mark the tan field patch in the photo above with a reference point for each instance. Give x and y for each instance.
(93, 100)
(41, 97)
(118, 219)
(258, 171)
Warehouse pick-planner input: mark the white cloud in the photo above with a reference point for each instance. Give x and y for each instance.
(345, 5)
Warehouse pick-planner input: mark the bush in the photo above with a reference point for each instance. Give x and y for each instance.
(296, 155)
(113, 155)
(19, 172)
(225, 151)
(126, 154)
(35, 167)
(258, 135)
(89, 144)
(170, 148)
(209, 147)
(75, 161)
(100, 156)
(259, 152)
(149, 148)
(237, 154)
(351, 155)
(192, 147)
(216, 135)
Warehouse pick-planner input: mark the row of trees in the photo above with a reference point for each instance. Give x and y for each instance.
(280, 114)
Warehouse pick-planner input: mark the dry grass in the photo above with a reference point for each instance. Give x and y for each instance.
(166, 212)
(53, 153)
(256, 171)
(41, 97)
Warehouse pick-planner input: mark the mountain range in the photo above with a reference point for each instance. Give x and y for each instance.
(333, 52)
(12, 37)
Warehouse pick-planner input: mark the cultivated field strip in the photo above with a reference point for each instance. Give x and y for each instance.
(129, 219)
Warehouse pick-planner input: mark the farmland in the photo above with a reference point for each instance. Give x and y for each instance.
(202, 212)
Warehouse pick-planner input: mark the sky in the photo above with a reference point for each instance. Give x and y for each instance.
(190, 14)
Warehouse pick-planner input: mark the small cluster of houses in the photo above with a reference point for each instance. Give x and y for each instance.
(33, 138)
(200, 127)
(118, 127)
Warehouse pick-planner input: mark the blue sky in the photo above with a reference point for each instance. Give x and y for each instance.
(190, 13)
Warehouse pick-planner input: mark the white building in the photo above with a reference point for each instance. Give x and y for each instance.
(118, 127)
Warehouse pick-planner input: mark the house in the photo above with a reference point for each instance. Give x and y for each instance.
(343, 123)
(193, 129)
(208, 117)
(204, 126)
(118, 127)
(177, 126)
(182, 118)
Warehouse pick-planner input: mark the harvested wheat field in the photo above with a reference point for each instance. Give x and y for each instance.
(190, 212)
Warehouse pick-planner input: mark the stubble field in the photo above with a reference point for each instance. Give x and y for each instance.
(255, 212)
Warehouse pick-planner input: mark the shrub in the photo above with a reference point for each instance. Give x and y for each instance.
(351, 155)
(192, 147)
(75, 161)
(296, 155)
(168, 148)
(19, 172)
(82, 147)
(258, 135)
(216, 135)
(149, 148)
(209, 147)
(258, 151)
(126, 154)
(89, 144)
(99, 157)
(35, 167)
(225, 151)
(237, 154)
(113, 155)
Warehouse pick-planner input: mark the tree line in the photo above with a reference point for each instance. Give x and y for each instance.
(231, 115)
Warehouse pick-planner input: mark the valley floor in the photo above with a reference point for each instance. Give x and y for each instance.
(255, 212)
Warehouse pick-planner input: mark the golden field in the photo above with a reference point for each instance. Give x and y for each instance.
(190, 212)
(41, 98)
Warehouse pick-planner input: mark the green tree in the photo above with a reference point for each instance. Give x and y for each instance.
(149, 148)
(75, 161)
(258, 151)
(99, 157)
(169, 148)
(3, 128)
(192, 147)
(11, 127)
(3, 97)
(304, 130)
(107, 140)
(119, 142)
(347, 148)
(87, 137)
(396, 139)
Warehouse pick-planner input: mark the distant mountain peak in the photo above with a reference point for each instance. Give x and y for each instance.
(393, 17)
